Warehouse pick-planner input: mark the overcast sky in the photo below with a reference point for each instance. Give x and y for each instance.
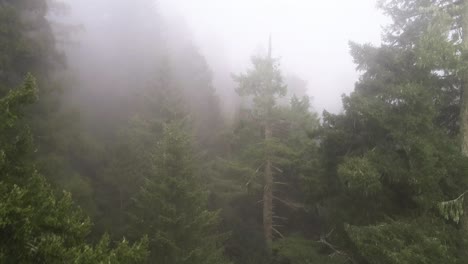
(310, 36)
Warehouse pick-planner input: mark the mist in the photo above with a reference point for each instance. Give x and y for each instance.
(310, 38)
(233, 132)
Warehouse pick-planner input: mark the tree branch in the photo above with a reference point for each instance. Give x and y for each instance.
(333, 248)
(277, 232)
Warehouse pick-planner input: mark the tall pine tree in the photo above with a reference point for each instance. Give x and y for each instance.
(264, 85)
(172, 206)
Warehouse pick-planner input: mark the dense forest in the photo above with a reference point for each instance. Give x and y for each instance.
(118, 148)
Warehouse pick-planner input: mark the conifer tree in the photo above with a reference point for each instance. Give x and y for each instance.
(264, 84)
(28, 44)
(130, 158)
(274, 151)
(36, 224)
(392, 156)
(171, 207)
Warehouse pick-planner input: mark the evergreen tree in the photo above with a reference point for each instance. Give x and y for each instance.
(391, 157)
(172, 206)
(37, 225)
(273, 138)
(194, 79)
(28, 44)
(130, 158)
(238, 191)
(264, 84)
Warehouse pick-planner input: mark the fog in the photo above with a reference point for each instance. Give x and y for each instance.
(310, 37)
(233, 132)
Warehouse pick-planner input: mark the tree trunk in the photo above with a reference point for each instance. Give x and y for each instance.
(464, 84)
(268, 194)
(268, 177)
(121, 208)
(464, 100)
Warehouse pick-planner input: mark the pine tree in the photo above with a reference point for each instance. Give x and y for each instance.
(283, 148)
(28, 44)
(264, 84)
(392, 156)
(130, 158)
(238, 189)
(172, 206)
(37, 225)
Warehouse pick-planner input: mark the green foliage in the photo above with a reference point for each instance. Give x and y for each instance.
(15, 138)
(416, 241)
(130, 155)
(129, 162)
(172, 206)
(27, 42)
(452, 210)
(392, 156)
(28, 45)
(289, 148)
(122, 254)
(16, 99)
(264, 83)
(36, 224)
(298, 250)
(380, 174)
(358, 175)
(38, 227)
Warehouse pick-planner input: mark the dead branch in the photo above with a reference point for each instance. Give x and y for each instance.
(335, 250)
(277, 232)
(259, 167)
(278, 169)
(289, 203)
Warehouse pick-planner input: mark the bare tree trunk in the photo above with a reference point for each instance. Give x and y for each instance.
(121, 208)
(464, 100)
(268, 194)
(464, 84)
(268, 177)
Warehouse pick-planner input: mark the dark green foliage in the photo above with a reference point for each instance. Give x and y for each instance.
(238, 185)
(359, 176)
(297, 250)
(391, 158)
(15, 137)
(415, 241)
(454, 209)
(129, 162)
(382, 182)
(172, 206)
(387, 147)
(36, 224)
(130, 158)
(27, 42)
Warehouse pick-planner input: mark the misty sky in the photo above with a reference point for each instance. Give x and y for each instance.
(310, 36)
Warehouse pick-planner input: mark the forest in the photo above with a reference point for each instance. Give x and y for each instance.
(116, 145)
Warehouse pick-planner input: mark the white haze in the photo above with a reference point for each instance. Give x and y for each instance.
(310, 36)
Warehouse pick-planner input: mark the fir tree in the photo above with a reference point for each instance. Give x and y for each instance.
(264, 84)
(172, 206)
(37, 225)
(391, 157)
